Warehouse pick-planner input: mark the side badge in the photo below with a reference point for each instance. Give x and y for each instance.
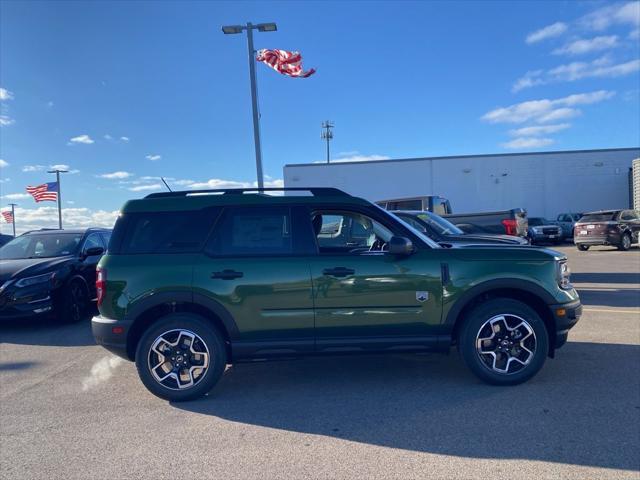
(422, 296)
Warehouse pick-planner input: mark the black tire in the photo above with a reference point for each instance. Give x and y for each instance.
(477, 321)
(208, 335)
(625, 242)
(582, 248)
(74, 304)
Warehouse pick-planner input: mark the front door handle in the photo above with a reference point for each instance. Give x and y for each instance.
(227, 275)
(338, 271)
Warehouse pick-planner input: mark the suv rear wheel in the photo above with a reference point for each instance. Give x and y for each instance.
(504, 341)
(583, 248)
(180, 357)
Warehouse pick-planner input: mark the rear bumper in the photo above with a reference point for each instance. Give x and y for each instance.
(111, 334)
(566, 315)
(609, 239)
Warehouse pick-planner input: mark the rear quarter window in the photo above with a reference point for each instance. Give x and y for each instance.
(162, 232)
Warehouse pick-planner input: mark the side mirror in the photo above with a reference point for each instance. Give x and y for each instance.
(400, 246)
(93, 251)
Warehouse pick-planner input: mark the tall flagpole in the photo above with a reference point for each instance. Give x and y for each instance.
(13, 217)
(58, 172)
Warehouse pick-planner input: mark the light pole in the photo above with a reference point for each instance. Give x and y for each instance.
(249, 27)
(58, 172)
(327, 134)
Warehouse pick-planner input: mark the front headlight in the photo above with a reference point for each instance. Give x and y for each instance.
(37, 280)
(564, 275)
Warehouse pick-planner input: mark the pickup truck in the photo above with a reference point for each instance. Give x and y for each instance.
(509, 222)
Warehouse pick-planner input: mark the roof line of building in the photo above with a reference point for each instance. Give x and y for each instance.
(462, 156)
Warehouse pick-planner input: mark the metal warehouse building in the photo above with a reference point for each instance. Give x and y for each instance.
(544, 183)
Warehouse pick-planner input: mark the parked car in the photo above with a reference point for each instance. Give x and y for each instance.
(542, 230)
(446, 233)
(426, 203)
(50, 273)
(5, 239)
(193, 281)
(619, 228)
(566, 221)
(507, 222)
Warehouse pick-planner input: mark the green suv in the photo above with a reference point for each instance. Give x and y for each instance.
(193, 281)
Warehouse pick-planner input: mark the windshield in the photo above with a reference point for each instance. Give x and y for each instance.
(417, 233)
(44, 245)
(598, 217)
(439, 224)
(537, 221)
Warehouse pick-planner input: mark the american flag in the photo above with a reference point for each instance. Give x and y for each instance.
(287, 63)
(8, 216)
(44, 192)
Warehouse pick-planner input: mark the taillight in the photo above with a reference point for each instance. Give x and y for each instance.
(510, 226)
(101, 284)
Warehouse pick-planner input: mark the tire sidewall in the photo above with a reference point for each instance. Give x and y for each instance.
(201, 327)
(622, 244)
(478, 316)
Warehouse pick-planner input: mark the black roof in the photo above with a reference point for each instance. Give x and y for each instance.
(70, 230)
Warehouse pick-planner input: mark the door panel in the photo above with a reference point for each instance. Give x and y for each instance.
(380, 299)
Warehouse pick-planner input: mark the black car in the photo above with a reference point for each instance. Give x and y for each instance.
(542, 230)
(50, 273)
(619, 228)
(445, 232)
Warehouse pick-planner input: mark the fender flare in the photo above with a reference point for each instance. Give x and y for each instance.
(498, 284)
(210, 304)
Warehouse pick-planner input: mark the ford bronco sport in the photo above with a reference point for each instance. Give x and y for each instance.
(193, 281)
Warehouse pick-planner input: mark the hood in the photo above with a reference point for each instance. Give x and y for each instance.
(28, 267)
(478, 238)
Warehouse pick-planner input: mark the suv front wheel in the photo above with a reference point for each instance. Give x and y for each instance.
(504, 341)
(180, 357)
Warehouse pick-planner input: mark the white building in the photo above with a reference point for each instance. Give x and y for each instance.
(544, 183)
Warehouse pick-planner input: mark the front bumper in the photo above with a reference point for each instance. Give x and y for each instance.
(111, 334)
(545, 237)
(565, 315)
(27, 302)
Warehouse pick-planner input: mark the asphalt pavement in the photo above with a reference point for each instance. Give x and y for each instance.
(68, 409)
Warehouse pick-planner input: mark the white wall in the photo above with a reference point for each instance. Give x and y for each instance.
(544, 184)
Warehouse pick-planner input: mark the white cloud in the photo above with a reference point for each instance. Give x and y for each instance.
(537, 130)
(59, 166)
(5, 180)
(47, 217)
(85, 139)
(143, 188)
(5, 121)
(545, 110)
(116, 175)
(360, 158)
(550, 31)
(582, 46)
(634, 34)
(16, 196)
(153, 158)
(3, 163)
(624, 13)
(124, 139)
(524, 142)
(106, 136)
(33, 168)
(599, 68)
(217, 183)
(5, 94)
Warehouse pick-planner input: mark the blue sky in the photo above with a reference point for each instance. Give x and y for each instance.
(123, 92)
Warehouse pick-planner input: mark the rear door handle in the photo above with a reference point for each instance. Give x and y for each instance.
(338, 272)
(227, 275)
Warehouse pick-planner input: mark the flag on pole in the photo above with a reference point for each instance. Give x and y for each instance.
(45, 192)
(8, 216)
(287, 63)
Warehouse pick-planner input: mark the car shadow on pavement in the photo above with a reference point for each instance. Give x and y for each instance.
(606, 277)
(43, 331)
(583, 408)
(623, 298)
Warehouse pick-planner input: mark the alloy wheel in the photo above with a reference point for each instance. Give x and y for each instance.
(506, 344)
(178, 359)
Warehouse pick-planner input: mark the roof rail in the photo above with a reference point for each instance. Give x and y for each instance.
(315, 191)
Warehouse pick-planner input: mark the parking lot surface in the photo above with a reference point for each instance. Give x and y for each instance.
(71, 410)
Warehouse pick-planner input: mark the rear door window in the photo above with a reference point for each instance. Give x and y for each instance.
(165, 232)
(253, 231)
